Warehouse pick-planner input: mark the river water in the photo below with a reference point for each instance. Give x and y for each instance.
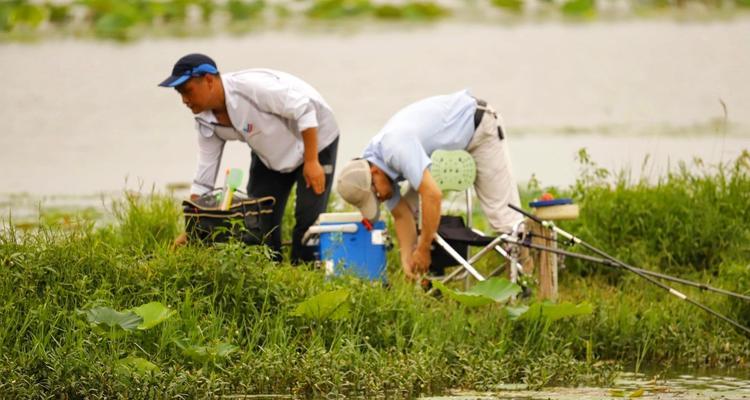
(85, 116)
(629, 385)
(82, 117)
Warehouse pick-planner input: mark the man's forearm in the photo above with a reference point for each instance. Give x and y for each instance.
(406, 234)
(310, 139)
(406, 231)
(430, 199)
(430, 220)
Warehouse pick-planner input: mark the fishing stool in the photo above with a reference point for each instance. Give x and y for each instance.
(455, 171)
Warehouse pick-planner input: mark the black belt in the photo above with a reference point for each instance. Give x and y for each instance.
(479, 114)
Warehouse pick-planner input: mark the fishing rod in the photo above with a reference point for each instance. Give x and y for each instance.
(615, 262)
(699, 285)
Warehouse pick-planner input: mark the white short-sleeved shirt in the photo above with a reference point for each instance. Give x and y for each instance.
(402, 149)
(268, 110)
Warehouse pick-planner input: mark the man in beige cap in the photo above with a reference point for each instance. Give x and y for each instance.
(401, 152)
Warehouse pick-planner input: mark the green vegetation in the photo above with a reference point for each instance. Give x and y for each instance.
(691, 223)
(515, 6)
(416, 10)
(579, 7)
(686, 221)
(111, 311)
(126, 20)
(131, 19)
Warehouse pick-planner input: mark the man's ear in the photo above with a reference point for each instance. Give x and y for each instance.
(375, 171)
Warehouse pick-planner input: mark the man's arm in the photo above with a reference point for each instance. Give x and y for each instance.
(210, 149)
(313, 172)
(430, 198)
(406, 233)
(277, 97)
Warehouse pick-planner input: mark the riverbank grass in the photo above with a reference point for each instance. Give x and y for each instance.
(99, 312)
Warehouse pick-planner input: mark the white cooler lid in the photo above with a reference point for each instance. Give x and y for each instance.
(340, 217)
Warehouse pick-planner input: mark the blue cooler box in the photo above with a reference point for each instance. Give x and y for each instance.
(347, 247)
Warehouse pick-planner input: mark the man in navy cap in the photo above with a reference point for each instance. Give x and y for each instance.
(289, 127)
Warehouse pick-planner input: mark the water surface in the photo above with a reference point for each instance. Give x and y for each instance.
(86, 116)
(685, 386)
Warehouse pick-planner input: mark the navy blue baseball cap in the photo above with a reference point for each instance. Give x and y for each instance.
(189, 66)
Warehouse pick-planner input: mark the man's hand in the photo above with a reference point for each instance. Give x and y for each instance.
(406, 233)
(180, 241)
(421, 260)
(314, 175)
(430, 197)
(408, 265)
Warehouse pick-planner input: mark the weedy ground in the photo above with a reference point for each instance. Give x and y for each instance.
(236, 326)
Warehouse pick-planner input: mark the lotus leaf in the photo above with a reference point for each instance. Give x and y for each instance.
(135, 365)
(493, 290)
(104, 315)
(327, 305)
(153, 314)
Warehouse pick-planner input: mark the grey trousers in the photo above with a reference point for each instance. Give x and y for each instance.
(495, 185)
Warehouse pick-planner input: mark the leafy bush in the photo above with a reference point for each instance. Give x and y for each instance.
(692, 219)
(227, 320)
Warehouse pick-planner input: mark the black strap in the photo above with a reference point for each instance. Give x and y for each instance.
(479, 113)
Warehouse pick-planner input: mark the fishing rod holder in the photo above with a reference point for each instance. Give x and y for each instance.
(608, 260)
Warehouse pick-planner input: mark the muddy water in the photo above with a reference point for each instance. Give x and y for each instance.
(687, 387)
(81, 117)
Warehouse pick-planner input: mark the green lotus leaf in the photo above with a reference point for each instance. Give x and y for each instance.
(516, 312)
(106, 316)
(135, 365)
(153, 314)
(215, 352)
(493, 290)
(498, 289)
(327, 305)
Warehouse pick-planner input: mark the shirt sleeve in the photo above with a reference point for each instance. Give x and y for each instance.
(210, 149)
(395, 197)
(409, 159)
(279, 98)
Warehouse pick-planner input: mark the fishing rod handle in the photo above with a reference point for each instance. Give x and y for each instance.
(526, 213)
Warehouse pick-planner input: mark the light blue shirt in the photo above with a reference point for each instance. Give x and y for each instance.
(402, 149)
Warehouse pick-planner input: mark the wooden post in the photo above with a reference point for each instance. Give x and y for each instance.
(548, 268)
(546, 260)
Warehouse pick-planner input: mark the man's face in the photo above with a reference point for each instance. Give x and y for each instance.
(195, 94)
(381, 184)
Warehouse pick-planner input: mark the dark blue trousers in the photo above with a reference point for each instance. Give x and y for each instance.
(267, 182)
